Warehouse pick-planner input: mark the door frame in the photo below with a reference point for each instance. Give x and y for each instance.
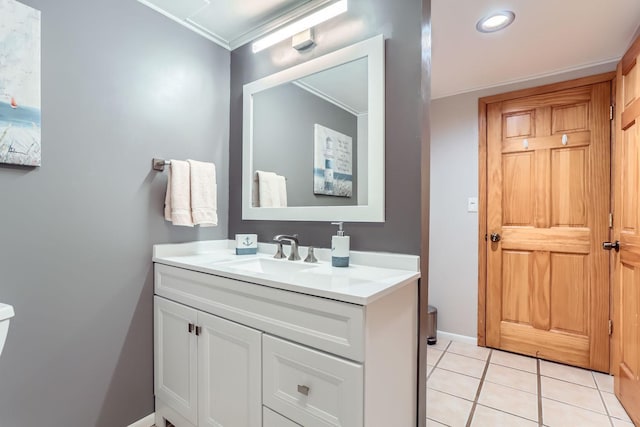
(482, 175)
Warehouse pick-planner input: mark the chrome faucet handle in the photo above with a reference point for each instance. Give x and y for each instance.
(279, 253)
(310, 256)
(294, 255)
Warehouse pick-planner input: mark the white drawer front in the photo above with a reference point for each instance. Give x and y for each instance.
(310, 387)
(333, 326)
(273, 419)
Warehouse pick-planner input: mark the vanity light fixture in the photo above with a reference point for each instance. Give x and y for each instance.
(496, 21)
(300, 25)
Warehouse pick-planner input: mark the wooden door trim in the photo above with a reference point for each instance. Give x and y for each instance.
(482, 172)
(553, 87)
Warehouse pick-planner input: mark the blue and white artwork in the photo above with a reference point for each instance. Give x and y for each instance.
(20, 128)
(332, 173)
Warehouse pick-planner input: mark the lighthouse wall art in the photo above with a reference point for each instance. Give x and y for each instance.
(20, 127)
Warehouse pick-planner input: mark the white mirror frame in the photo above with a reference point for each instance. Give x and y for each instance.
(373, 211)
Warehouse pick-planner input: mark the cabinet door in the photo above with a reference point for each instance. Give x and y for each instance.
(175, 357)
(229, 373)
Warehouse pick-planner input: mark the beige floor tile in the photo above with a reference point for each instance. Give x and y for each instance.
(433, 355)
(441, 344)
(604, 381)
(509, 400)
(615, 407)
(453, 383)
(514, 378)
(447, 409)
(429, 369)
(515, 361)
(469, 350)
(574, 394)
(431, 423)
(567, 373)
(557, 414)
(462, 364)
(488, 417)
(620, 423)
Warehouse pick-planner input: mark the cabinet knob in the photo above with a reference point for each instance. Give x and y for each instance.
(191, 326)
(303, 389)
(198, 330)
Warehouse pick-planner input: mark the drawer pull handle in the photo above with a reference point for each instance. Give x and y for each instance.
(191, 326)
(303, 389)
(198, 330)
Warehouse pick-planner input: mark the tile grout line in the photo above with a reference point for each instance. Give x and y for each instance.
(438, 361)
(604, 404)
(475, 401)
(539, 380)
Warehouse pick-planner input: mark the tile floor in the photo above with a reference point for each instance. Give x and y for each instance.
(479, 387)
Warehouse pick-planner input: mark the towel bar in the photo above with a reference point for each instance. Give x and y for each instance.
(159, 164)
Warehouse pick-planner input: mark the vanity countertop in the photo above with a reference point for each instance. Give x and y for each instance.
(369, 276)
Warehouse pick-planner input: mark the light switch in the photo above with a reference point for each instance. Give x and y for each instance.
(472, 204)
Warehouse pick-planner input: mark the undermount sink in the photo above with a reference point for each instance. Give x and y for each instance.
(268, 266)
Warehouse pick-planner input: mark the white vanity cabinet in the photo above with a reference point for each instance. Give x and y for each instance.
(207, 369)
(235, 353)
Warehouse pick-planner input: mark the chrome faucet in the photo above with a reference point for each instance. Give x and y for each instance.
(292, 240)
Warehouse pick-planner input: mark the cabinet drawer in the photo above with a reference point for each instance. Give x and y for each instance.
(310, 387)
(273, 419)
(333, 326)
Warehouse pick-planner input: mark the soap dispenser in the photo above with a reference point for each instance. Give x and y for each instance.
(340, 247)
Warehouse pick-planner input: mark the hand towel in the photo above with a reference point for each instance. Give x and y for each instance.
(204, 203)
(272, 190)
(177, 203)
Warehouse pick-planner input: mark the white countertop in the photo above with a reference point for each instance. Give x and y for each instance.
(369, 276)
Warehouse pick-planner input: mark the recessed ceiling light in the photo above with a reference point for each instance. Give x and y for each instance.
(496, 21)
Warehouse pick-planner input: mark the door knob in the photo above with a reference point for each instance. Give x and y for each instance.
(495, 237)
(611, 245)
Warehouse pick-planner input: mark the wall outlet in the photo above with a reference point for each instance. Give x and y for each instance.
(472, 204)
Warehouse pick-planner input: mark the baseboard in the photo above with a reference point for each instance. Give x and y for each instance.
(458, 338)
(147, 421)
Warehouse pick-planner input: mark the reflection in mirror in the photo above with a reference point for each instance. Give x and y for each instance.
(313, 139)
(317, 125)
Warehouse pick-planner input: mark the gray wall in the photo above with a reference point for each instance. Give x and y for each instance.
(283, 140)
(453, 261)
(121, 84)
(400, 22)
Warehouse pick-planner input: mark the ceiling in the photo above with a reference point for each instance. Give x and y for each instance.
(547, 37)
(232, 23)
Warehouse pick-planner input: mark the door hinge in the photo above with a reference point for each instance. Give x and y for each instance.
(486, 237)
(611, 109)
(610, 326)
(610, 219)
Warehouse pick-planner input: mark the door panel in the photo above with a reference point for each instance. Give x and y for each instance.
(175, 364)
(626, 295)
(548, 198)
(230, 372)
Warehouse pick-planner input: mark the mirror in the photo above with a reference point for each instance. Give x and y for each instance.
(313, 139)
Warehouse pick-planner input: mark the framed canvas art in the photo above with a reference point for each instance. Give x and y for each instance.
(332, 163)
(20, 128)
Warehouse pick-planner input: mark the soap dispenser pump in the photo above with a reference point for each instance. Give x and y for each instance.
(340, 247)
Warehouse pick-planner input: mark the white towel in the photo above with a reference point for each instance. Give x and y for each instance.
(204, 202)
(177, 203)
(272, 190)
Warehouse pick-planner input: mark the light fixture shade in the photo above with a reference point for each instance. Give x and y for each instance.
(496, 21)
(300, 25)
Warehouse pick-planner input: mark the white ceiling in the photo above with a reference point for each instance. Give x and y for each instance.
(547, 37)
(344, 85)
(232, 23)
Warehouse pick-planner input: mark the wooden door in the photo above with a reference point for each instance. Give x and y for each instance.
(229, 373)
(175, 357)
(626, 295)
(548, 204)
